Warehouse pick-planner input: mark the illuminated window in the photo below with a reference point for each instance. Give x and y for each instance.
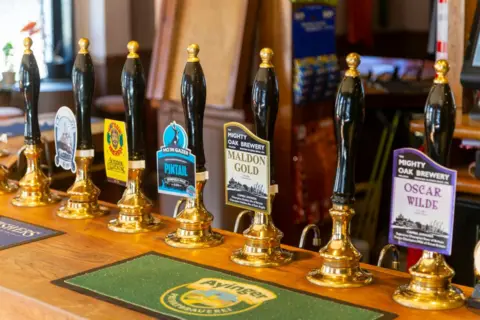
(48, 23)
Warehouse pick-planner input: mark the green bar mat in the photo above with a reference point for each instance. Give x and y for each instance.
(169, 288)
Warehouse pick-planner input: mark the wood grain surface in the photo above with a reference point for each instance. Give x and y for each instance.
(27, 270)
(220, 50)
(465, 127)
(467, 183)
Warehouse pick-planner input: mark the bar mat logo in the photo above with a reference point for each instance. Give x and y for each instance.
(215, 297)
(14, 233)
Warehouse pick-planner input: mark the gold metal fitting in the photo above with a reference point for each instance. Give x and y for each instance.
(341, 260)
(353, 61)
(27, 43)
(83, 43)
(4, 153)
(6, 186)
(395, 256)
(135, 208)
(34, 186)
(262, 244)
(193, 51)
(266, 54)
(430, 287)
(132, 47)
(441, 68)
(317, 240)
(83, 195)
(195, 221)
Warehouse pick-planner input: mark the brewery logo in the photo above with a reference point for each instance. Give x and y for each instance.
(247, 168)
(175, 163)
(65, 132)
(209, 297)
(115, 139)
(116, 152)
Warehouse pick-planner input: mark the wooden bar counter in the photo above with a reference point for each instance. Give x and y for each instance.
(26, 271)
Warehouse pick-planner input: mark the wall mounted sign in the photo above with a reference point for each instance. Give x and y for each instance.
(247, 168)
(423, 202)
(65, 133)
(176, 166)
(115, 151)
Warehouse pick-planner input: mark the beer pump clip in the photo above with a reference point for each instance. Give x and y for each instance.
(430, 287)
(194, 221)
(135, 208)
(83, 195)
(262, 238)
(34, 188)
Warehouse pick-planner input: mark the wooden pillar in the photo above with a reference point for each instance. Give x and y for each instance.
(460, 18)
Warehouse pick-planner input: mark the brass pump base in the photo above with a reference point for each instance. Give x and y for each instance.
(341, 260)
(4, 153)
(262, 245)
(6, 186)
(34, 186)
(430, 287)
(83, 194)
(195, 221)
(135, 208)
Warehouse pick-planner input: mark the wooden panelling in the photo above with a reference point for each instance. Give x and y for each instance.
(220, 29)
(460, 18)
(162, 49)
(219, 50)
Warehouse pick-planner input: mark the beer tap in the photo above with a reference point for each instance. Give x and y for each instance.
(83, 195)
(262, 244)
(430, 287)
(194, 220)
(135, 208)
(34, 188)
(6, 186)
(340, 266)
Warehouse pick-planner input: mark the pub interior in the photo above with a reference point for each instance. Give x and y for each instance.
(168, 159)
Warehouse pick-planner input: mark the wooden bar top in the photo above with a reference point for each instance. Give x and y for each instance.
(26, 271)
(465, 127)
